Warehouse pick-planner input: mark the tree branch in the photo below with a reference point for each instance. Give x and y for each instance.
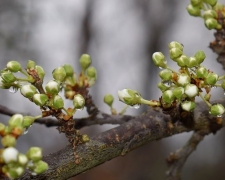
(153, 125)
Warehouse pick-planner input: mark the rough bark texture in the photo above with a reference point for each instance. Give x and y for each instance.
(153, 125)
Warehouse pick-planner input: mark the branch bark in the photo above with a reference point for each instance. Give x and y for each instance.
(153, 125)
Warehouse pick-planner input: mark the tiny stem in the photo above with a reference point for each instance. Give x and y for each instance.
(221, 77)
(172, 70)
(23, 79)
(150, 103)
(207, 102)
(67, 112)
(37, 117)
(187, 72)
(123, 110)
(24, 73)
(218, 85)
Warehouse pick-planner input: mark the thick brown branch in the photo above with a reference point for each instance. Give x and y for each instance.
(153, 125)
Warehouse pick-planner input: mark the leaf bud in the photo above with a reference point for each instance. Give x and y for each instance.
(34, 153)
(58, 102)
(192, 62)
(8, 141)
(129, 97)
(68, 69)
(31, 64)
(168, 97)
(9, 155)
(178, 92)
(182, 60)
(201, 72)
(78, 101)
(211, 78)
(28, 121)
(191, 90)
(40, 167)
(16, 121)
(193, 10)
(13, 66)
(200, 56)
(175, 53)
(175, 44)
(40, 99)
(28, 90)
(59, 74)
(211, 23)
(183, 79)
(165, 75)
(217, 110)
(85, 61)
(52, 87)
(108, 99)
(40, 72)
(159, 59)
(188, 106)
(8, 76)
(22, 159)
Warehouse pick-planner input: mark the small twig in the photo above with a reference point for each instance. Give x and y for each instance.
(177, 159)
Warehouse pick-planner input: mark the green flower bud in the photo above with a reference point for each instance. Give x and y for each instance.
(40, 99)
(211, 23)
(175, 44)
(22, 159)
(178, 92)
(31, 64)
(168, 97)
(223, 84)
(196, 2)
(8, 77)
(193, 10)
(2, 128)
(40, 167)
(183, 79)
(40, 72)
(91, 72)
(34, 153)
(188, 106)
(28, 121)
(28, 90)
(182, 60)
(70, 81)
(85, 61)
(159, 59)
(217, 110)
(9, 155)
(59, 74)
(129, 97)
(200, 56)
(15, 172)
(162, 87)
(108, 99)
(175, 53)
(68, 69)
(15, 121)
(211, 78)
(165, 75)
(52, 87)
(192, 62)
(202, 72)
(8, 141)
(78, 101)
(191, 90)
(212, 2)
(210, 14)
(58, 102)
(13, 66)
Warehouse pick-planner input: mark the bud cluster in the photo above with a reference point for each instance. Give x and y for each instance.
(209, 14)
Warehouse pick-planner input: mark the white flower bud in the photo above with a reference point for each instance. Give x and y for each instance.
(28, 90)
(52, 87)
(10, 155)
(191, 90)
(183, 79)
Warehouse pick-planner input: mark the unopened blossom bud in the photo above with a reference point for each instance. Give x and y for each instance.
(217, 110)
(28, 90)
(40, 72)
(22, 159)
(212, 2)
(28, 121)
(175, 53)
(159, 59)
(202, 72)
(59, 74)
(78, 101)
(8, 141)
(31, 64)
(15, 121)
(211, 78)
(34, 153)
(15, 172)
(168, 97)
(52, 87)
(210, 14)
(175, 44)
(58, 102)
(192, 62)
(196, 2)
(200, 56)
(13, 66)
(191, 90)
(193, 10)
(182, 60)
(40, 167)
(68, 69)
(162, 86)
(40, 99)
(85, 61)
(178, 92)
(8, 76)
(10, 155)
(188, 106)
(129, 97)
(108, 99)
(70, 81)
(183, 79)
(91, 72)
(211, 23)
(165, 75)
(2, 128)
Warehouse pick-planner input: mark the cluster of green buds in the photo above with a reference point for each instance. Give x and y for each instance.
(206, 9)
(12, 162)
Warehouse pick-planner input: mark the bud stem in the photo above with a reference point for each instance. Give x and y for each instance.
(150, 103)
(123, 110)
(172, 70)
(207, 102)
(24, 73)
(221, 77)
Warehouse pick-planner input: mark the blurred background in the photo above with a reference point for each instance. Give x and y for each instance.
(121, 37)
